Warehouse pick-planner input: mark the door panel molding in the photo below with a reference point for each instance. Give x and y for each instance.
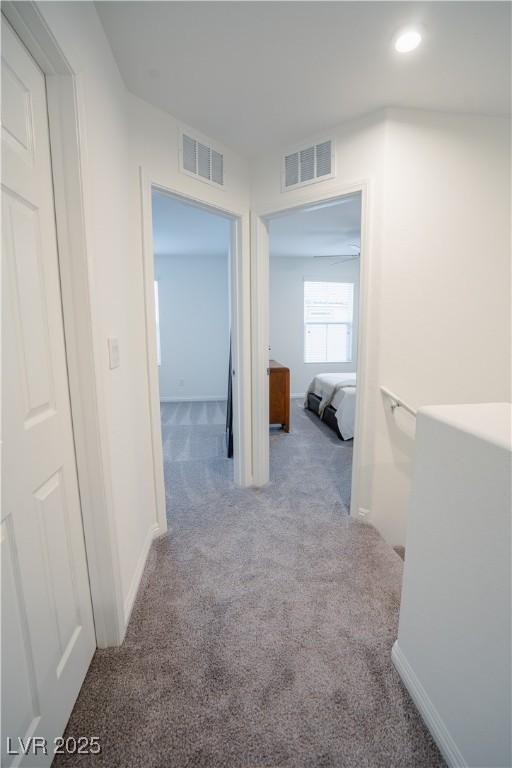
(88, 408)
(49, 600)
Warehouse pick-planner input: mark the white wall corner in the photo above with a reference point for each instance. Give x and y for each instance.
(428, 712)
(153, 533)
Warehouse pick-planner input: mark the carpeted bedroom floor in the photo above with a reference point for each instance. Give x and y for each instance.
(262, 632)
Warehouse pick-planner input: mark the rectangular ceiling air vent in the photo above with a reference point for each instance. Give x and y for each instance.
(199, 159)
(309, 164)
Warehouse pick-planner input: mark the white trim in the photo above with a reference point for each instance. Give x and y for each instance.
(260, 309)
(88, 407)
(153, 533)
(240, 283)
(205, 399)
(240, 333)
(363, 363)
(151, 352)
(298, 396)
(260, 349)
(427, 710)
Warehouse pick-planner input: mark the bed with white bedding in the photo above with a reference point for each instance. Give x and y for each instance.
(332, 396)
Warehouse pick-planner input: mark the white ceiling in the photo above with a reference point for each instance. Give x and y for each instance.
(327, 229)
(182, 229)
(332, 229)
(260, 74)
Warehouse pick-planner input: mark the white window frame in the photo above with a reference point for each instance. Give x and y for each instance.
(348, 324)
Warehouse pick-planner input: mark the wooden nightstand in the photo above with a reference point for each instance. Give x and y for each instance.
(279, 395)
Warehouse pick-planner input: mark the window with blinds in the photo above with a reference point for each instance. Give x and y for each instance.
(328, 319)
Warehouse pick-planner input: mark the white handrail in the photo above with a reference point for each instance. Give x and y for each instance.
(397, 402)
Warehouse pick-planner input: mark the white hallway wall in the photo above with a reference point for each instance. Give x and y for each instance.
(438, 318)
(194, 326)
(286, 310)
(360, 152)
(444, 284)
(440, 200)
(120, 133)
(115, 272)
(154, 141)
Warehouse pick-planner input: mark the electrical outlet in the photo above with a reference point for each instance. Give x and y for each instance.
(181, 382)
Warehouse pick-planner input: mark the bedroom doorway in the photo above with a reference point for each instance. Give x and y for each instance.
(313, 332)
(192, 249)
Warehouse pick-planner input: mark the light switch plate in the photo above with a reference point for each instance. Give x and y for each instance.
(113, 352)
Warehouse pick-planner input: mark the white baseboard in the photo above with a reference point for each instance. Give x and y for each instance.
(427, 710)
(300, 396)
(153, 532)
(157, 532)
(206, 398)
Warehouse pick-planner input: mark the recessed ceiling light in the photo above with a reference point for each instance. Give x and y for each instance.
(407, 40)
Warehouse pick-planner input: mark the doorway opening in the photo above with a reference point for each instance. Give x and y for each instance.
(192, 252)
(313, 310)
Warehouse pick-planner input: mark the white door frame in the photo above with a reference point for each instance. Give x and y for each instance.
(84, 357)
(260, 328)
(241, 366)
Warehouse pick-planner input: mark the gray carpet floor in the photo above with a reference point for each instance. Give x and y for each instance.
(262, 632)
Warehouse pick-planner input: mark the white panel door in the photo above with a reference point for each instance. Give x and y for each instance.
(47, 625)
